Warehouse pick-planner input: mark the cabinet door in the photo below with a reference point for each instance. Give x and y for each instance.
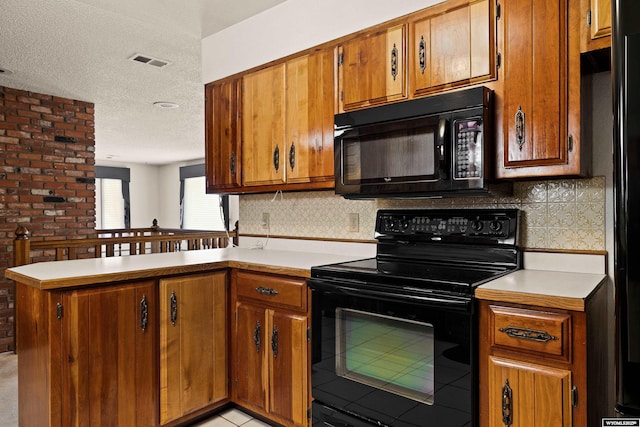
(597, 24)
(528, 395)
(453, 47)
(263, 125)
(372, 69)
(250, 375)
(288, 368)
(309, 118)
(193, 343)
(541, 89)
(223, 135)
(110, 339)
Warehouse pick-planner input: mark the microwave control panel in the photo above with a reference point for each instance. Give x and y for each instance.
(468, 154)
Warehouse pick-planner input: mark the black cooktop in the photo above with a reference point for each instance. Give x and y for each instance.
(434, 250)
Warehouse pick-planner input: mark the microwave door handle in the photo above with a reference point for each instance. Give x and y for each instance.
(441, 146)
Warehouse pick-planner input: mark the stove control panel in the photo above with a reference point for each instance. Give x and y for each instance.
(444, 224)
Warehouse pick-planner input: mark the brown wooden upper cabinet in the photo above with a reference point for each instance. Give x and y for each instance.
(223, 135)
(309, 118)
(287, 123)
(541, 109)
(371, 68)
(596, 27)
(263, 115)
(452, 44)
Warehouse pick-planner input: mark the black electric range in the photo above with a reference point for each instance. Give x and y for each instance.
(394, 338)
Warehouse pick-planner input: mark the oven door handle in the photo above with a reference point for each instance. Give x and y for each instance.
(450, 302)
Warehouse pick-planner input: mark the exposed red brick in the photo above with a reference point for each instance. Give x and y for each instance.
(34, 166)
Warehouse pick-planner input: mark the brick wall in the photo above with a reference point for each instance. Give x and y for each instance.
(47, 174)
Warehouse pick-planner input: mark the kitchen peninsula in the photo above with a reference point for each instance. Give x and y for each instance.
(146, 340)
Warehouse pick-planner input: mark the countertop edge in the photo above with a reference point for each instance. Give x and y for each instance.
(500, 291)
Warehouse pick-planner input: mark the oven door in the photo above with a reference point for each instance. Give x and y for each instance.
(391, 360)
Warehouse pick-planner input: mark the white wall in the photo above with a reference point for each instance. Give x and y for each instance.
(144, 189)
(293, 26)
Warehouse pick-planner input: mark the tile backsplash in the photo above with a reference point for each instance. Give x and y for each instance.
(564, 214)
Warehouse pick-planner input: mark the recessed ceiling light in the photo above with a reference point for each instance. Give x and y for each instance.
(5, 71)
(166, 105)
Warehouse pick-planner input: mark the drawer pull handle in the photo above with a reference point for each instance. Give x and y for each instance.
(266, 291)
(507, 404)
(528, 334)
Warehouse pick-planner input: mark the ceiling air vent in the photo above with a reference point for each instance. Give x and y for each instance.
(149, 60)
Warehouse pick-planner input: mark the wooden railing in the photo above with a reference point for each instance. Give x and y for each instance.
(118, 242)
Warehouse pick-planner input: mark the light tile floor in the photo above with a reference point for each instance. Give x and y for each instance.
(232, 418)
(9, 401)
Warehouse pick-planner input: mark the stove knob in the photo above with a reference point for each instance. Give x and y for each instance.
(477, 225)
(404, 224)
(495, 225)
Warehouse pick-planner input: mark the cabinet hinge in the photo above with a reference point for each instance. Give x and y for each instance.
(340, 58)
(309, 413)
(308, 334)
(574, 396)
(498, 10)
(589, 18)
(59, 310)
(498, 60)
(235, 383)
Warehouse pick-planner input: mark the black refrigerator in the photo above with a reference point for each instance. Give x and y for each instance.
(626, 119)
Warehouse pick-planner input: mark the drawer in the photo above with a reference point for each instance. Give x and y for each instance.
(534, 331)
(280, 291)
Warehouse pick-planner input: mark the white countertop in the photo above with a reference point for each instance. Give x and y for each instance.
(63, 274)
(557, 289)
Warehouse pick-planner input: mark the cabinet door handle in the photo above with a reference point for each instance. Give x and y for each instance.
(394, 62)
(232, 163)
(173, 308)
(292, 156)
(276, 158)
(266, 291)
(528, 334)
(520, 127)
(274, 341)
(422, 54)
(256, 336)
(507, 404)
(144, 313)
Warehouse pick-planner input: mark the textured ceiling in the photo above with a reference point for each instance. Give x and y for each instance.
(80, 50)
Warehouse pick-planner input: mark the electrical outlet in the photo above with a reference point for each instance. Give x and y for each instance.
(265, 220)
(354, 222)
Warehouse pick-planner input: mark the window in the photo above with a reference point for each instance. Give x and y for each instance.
(199, 210)
(112, 198)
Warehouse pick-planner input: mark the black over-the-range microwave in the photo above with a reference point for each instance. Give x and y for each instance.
(439, 146)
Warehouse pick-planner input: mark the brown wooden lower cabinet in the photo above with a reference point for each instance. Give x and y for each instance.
(270, 346)
(88, 357)
(542, 366)
(193, 344)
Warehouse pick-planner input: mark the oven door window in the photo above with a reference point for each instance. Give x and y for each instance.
(388, 353)
(400, 152)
